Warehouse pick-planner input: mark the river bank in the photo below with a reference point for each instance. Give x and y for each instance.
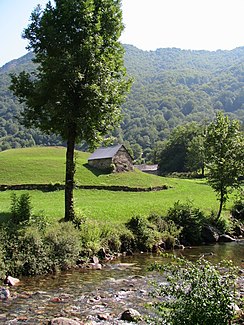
(100, 296)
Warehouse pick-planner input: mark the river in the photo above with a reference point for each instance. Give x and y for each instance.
(93, 294)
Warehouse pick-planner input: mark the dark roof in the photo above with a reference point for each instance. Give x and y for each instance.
(105, 152)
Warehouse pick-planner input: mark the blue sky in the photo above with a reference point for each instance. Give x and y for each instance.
(149, 24)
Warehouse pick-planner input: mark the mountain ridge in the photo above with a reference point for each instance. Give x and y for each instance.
(171, 87)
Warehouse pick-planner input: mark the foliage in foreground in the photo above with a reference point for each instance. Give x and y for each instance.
(20, 208)
(95, 235)
(30, 245)
(152, 231)
(237, 210)
(31, 250)
(194, 293)
(191, 220)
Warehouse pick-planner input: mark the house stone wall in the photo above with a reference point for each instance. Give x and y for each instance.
(122, 161)
(102, 164)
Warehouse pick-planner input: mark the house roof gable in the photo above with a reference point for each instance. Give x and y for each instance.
(105, 152)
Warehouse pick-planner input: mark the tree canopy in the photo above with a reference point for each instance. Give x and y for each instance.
(182, 151)
(224, 156)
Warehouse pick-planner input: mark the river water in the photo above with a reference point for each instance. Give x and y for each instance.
(97, 294)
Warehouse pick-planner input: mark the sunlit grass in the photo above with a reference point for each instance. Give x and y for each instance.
(119, 207)
(37, 165)
(45, 165)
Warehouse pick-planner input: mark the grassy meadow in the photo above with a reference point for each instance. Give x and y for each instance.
(44, 165)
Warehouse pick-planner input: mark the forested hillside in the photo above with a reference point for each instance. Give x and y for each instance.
(171, 87)
(12, 134)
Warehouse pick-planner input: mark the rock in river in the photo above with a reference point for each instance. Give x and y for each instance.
(11, 281)
(4, 293)
(131, 315)
(64, 321)
(226, 239)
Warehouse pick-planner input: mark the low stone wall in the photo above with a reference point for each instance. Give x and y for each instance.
(40, 187)
(56, 187)
(124, 188)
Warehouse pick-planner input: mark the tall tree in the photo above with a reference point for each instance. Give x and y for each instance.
(175, 152)
(80, 81)
(224, 156)
(195, 153)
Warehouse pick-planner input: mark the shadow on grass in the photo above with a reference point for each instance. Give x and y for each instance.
(97, 172)
(4, 217)
(202, 183)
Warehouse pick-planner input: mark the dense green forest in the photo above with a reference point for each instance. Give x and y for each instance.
(171, 87)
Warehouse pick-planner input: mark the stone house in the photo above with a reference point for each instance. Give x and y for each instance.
(115, 158)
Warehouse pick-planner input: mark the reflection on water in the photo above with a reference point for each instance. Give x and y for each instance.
(119, 285)
(231, 251)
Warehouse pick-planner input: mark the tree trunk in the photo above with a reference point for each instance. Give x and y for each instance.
(203, 170)
(220, 204)
(69, 178)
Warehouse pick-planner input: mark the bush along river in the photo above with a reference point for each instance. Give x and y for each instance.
(86, 296)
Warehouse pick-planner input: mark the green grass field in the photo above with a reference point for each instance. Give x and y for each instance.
(47, 165)
(118, 207)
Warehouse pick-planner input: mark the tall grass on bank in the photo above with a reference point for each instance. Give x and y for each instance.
(30, 244)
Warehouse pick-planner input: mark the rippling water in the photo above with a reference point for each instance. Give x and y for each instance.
(121, 284)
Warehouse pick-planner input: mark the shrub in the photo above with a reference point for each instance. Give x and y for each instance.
(110, 238)
(63, 244)
(194, 293)
(152, 230)
(26, 253)
(95, 236)
(90, 236)
(2, 253)
(222, 224)
(20, 208)
(36, 249)
(40, 221)
(127, 240)
(79, 218)
(190, 219)
(144, 232)
(237, 210)
(33, 253)
(2, 263)
(168, 229)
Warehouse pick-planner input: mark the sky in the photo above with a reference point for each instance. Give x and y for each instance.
(149, 24)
